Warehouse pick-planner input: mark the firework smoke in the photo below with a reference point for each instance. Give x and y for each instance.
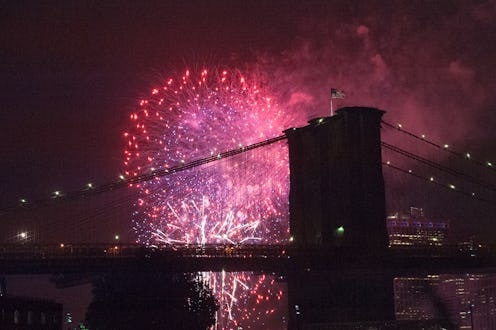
(416, 61)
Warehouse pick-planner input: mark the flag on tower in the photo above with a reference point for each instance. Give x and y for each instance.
(337, 94)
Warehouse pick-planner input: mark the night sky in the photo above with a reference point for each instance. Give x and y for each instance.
(72, 72)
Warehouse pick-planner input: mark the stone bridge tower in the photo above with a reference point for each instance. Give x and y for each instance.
(337, 187)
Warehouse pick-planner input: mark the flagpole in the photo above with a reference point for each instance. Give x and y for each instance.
(336, 94)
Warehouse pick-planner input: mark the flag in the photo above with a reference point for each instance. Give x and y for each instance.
(337, 94)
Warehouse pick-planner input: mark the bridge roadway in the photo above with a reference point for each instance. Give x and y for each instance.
(80, 258)
(96, 258)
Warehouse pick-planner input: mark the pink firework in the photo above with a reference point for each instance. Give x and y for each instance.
(242, 199)
(247, 300)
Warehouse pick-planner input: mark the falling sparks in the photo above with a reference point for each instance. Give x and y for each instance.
(243, 199)
(245, 299)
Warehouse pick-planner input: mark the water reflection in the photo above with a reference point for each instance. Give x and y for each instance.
(150, 300)
(321, 299)
(248, 301)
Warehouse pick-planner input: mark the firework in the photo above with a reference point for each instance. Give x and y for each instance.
(243, 199)
(248, 300)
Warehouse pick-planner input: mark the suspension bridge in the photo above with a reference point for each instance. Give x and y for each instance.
(341, 158)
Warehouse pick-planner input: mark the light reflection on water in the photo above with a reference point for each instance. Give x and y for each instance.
(248, 300)
(251, 300)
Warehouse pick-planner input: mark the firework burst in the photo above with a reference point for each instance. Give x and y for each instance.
(242, 199)
(247, 300)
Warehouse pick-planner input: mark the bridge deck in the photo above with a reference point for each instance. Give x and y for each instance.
(80, 258)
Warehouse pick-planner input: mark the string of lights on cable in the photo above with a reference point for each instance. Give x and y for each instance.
(445, 147)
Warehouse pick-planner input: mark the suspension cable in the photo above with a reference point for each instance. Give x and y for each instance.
(439, 166)
(465, 156)
(446, 186)
(146, 177)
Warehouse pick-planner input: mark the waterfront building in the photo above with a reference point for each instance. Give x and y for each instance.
(416, 230)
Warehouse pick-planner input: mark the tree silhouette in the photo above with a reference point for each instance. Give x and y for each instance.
(150, 301)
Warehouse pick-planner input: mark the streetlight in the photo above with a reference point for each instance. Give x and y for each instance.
(56, 194)
(22, 237)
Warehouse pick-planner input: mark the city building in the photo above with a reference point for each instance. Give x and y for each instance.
(416, 230)
(467, 301)
(22, 313)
